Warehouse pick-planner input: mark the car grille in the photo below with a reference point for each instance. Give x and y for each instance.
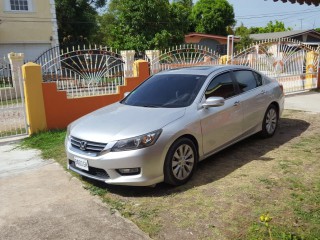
(87, 146)
(96, 172)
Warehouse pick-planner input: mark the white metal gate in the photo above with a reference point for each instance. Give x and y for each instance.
(294, 64)
(83, 70)
(184, 56)
(12, 107)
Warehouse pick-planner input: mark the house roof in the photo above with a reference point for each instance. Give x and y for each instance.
(211, 36)
(309, 2)
(286, 34)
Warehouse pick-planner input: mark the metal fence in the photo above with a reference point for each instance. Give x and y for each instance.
(184, 56)
(83, 70)
(12, 108)
(294, 64)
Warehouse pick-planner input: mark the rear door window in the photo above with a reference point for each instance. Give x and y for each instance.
(246, 80)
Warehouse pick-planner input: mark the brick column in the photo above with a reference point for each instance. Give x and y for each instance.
(154, 56)
(35, 110)
(128, 58)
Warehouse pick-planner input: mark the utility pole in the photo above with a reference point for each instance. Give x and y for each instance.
(300, 23)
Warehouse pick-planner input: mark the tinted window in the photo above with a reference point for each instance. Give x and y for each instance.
(246, 80)
(221, 86)
(258, 78)
(170, 90)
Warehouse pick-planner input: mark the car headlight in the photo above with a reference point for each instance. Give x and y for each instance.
(138, 142)
(68, 131)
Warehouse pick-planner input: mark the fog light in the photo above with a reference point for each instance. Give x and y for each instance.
(128, 171)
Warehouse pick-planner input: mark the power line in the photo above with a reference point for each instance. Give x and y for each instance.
(275, 15)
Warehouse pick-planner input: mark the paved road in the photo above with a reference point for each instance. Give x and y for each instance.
(40, 200)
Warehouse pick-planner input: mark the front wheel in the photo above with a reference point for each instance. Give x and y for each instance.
(270, 121)
(180, 163)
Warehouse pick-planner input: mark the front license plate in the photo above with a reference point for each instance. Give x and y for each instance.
(81, 163)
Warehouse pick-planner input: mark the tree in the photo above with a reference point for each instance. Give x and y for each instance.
(245, 32)
(141, 25)
(278, 26)
(77, 19)
(212, 16)
(245, 39)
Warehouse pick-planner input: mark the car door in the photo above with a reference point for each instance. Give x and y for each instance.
(253, 97)
(221, 125)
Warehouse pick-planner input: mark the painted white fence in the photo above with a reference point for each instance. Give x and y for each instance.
(12, 107)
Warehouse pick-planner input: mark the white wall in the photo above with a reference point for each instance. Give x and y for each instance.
(31, 50)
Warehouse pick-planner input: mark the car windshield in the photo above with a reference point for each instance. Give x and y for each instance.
(166, 90)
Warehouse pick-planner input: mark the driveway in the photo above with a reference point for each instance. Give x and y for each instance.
(308, 101)
(40, 200)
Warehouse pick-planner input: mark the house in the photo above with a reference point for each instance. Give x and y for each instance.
(27, 26)
(215, 42)
(305, 36)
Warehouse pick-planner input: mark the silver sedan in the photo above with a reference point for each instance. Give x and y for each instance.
(173, 120)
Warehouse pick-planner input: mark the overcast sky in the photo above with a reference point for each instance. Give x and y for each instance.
(260, 12)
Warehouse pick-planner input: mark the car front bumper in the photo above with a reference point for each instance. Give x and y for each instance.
(106, 167)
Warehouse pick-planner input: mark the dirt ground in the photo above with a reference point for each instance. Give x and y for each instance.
(231, 189)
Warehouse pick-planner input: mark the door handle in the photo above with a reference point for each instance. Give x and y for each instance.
(263, 92)
(236, 103)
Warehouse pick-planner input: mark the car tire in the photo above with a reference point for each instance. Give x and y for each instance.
(270, 121)
(180, 162)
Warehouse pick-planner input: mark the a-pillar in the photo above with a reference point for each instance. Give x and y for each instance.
(16, 62)
(154, 57)
(128, 58)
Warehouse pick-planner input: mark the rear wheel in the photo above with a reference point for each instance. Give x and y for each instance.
(180, 163)
(270, 121)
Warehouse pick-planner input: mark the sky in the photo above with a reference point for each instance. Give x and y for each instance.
(257, 13)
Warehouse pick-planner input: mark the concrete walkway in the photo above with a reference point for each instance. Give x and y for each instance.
(39, 200)
(308, 101)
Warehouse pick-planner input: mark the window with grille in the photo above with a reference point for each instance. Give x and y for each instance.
(19, 5)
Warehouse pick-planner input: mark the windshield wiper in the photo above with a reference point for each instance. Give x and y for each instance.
(150, 106)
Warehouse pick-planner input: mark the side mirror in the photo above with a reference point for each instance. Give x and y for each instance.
(213, 102)
(126, 94)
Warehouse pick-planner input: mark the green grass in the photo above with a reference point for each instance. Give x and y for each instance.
(50, 143)
(302, 199)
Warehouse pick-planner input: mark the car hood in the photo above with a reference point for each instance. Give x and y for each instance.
(119, 121)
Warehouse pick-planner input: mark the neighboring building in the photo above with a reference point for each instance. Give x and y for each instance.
(215, 42)
(27, 26)
(305, 36)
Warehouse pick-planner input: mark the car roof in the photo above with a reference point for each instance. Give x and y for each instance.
(203, 70)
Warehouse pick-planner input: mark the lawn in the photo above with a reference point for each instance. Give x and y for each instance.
(256, 189)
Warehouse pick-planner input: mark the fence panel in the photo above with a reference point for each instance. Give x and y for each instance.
(294, 64)
(83, 70)
(12, 107)
(183, 56)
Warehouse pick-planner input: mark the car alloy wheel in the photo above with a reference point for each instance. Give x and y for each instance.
(180, 162)
(270, 121)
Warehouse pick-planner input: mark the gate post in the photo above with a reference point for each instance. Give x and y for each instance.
(230, 44)
(154, 55)
(128, 58)
(16, 62)
(35, 110)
